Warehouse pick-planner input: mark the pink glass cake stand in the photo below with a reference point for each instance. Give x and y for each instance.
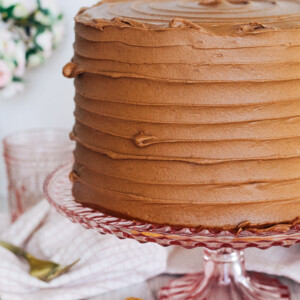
(224, 275)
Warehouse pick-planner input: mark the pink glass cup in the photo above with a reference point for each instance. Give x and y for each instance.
(30, 156)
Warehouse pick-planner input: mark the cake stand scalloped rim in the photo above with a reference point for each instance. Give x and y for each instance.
(58, 192)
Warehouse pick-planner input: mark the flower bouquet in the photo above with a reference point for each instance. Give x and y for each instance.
(29, 32)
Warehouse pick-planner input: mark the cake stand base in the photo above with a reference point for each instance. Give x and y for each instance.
(224, 278)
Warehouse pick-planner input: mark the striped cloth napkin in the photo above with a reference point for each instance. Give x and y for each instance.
(106, 263)
(4, 222)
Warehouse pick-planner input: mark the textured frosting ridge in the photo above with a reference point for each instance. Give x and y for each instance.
(187, 112)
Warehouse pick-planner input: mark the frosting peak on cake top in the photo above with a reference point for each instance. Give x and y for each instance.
(212, 15)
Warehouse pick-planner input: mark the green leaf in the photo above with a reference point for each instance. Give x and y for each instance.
(7, 13)
(43, 10)
(30, 52)
(17, 79)
(39, 4)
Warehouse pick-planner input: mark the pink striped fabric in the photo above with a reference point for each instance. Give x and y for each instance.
(106, 263)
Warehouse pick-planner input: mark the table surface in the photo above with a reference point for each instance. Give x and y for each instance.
(149, 289)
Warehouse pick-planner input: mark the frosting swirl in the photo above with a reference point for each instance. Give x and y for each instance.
(217, 16)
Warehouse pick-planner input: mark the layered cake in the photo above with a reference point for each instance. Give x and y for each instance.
(188, 112)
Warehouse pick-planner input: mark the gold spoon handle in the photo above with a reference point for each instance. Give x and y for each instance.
(14, 249)
(42, 269)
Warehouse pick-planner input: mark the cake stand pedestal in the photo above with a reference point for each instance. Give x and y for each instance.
(224, 276)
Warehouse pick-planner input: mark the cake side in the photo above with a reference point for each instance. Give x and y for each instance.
(185, 123)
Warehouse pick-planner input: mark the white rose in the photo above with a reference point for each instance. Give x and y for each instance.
(12, 51)
(7, 45)
(51, 5)
(45, 41)
(5, 74)
(10, 47)
(42, 18)
(58, 33)
(21, 11)
(29, 5)
(8, 3)
(35, 60)
(5, 37)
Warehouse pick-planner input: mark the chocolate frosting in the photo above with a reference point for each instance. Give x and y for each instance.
(187, 112)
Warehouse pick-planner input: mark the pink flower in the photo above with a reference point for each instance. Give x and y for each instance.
(5, 74)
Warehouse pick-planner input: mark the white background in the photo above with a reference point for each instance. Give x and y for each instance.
(48, 97)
